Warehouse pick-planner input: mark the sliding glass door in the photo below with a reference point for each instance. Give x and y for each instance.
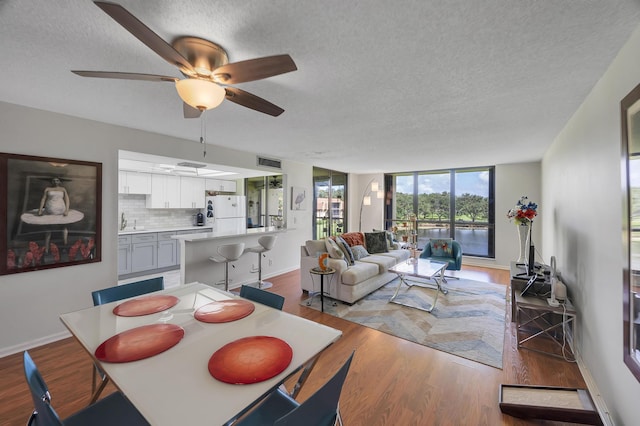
(329, 196)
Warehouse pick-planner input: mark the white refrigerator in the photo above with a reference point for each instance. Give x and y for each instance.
(226, 214)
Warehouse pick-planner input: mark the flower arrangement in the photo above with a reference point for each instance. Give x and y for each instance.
(524, 211)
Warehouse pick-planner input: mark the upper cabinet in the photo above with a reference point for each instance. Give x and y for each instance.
(165, 192)
(192, 192)
(170, 191)
(134, 182)
(220, 185)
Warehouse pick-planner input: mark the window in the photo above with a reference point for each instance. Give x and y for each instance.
(455, 203)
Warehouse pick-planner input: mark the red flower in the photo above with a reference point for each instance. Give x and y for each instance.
(11, 259)
(55, 252)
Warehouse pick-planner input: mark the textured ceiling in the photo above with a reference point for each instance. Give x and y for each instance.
(381, 85)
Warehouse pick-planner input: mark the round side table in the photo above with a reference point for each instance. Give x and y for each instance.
(322, 273)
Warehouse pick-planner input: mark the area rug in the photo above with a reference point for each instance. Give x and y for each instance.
(468, 322)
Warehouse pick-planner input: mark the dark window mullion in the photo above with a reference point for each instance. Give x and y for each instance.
(452, 204)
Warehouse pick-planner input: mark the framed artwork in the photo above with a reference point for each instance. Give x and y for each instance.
(50, 213)
(630, 132)
(298, 198)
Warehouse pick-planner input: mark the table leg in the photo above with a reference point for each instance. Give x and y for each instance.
(401, 281)
(303, 377)
(544, 327)
(438, 288)
(321, 293)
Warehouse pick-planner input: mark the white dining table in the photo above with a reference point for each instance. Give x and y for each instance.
(175, 386)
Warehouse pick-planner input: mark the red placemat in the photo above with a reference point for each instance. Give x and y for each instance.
(145, 305)
(250, 360)
(224, 311)
(139, 343)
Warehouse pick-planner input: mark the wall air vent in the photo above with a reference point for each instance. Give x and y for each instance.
(269, 162)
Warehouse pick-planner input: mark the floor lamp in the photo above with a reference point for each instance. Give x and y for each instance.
(372, 186)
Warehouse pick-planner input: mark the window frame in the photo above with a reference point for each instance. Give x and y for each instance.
(451, 222)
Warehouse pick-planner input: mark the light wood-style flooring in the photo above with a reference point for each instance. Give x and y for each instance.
(391, 381)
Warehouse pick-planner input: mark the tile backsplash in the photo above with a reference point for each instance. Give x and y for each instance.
(136, 212)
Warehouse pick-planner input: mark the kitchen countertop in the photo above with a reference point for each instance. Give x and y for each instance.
(214, 235)
(168, 229)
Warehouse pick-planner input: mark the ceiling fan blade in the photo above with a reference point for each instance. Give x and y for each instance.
(144, 34)
(125, 75)
(254, 69)
(254, 102)
(189, 111)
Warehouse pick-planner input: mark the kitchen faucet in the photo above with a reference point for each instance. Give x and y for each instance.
(123, 222)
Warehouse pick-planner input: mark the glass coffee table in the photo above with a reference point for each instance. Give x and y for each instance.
(420, 268)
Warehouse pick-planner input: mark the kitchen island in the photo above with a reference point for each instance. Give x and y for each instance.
(196, 249)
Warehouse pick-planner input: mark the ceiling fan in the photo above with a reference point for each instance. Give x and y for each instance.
(205, 66)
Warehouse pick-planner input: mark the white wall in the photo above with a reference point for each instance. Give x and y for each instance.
(31, 302)
(512, 182)
(582, 201)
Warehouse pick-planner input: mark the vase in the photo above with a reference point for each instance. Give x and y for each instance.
(523, 235)
(323, 260)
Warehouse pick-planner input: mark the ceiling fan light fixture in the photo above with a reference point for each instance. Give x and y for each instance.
(200, 94)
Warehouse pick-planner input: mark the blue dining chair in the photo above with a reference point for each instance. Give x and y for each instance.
(124, 291)
(320, 409)
(261, 296)
(115, 409)
(111, 294)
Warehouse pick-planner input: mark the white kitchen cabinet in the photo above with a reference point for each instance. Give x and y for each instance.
(124, 255)
(192, 192)
(144, 253)
(167, 249)
(220, 185)
(134, 182)
(165, 192)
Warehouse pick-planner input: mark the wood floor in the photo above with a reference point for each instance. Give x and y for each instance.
(391, 381)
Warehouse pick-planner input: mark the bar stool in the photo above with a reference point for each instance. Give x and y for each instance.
(266, 243)
(228, 253)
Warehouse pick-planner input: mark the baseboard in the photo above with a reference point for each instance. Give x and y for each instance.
(483, 262)
(597, 398)
(281, 272)
(33, 343)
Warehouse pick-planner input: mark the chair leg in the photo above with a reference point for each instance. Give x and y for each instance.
(338, 416)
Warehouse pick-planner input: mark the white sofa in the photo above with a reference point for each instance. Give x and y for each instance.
(350, 282)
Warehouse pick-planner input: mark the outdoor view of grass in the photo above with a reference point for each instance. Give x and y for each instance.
(435, 207)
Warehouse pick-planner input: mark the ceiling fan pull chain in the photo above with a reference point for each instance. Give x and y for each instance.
(203, 134)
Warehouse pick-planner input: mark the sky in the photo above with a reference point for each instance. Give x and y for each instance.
(469, 182)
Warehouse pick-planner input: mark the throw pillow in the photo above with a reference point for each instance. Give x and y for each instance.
(348, 254)
(333, 249)
(441, 247)
(359, 252)
(353, 238)
(376, 242)
(390, 237)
